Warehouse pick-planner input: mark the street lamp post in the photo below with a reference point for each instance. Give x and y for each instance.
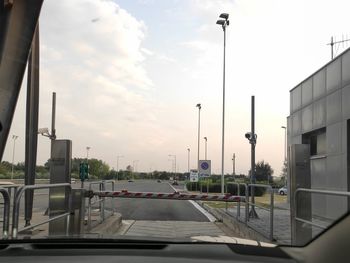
(188, 159)
(87, 161)
(14, 137)
(118, 157)
(206, 147)
(172, 155)
(134, 163)
(87, 152)
(285, 142)
(134, 170)
(233, 165)
(224, 23)
(199, 106)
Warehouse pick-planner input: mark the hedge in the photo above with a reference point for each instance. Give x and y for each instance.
(231, 188)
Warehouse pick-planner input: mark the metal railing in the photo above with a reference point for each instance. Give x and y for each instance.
(6, 213)
(315, 191)
(271, 209)
(101, 200)
(17, 199)
(239, 202)
(9, 188)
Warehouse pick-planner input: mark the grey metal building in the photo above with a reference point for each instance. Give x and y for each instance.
(319, 117)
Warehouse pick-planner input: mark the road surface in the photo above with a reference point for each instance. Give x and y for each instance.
(147, 209)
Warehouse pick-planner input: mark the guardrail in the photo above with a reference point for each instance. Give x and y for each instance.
(271, 209)
(17, 199)
(101, 200)
(315, 191)
(6, 215)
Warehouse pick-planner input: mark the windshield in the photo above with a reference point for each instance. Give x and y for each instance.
(215, 121)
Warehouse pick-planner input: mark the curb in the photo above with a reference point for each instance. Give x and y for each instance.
(198, 206)
(108, 227)
(232, 223)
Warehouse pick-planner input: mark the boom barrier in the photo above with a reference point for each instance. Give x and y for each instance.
(172, 196)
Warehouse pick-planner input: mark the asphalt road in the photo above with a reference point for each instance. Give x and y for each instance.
(148, 209)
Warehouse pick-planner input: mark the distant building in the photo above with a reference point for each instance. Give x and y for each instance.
(320, 117)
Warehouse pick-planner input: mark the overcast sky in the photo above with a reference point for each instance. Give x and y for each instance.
(128, 75)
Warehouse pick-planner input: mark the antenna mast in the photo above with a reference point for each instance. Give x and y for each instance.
(332, 43)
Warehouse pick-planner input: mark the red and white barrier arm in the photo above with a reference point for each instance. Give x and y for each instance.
(172, 196)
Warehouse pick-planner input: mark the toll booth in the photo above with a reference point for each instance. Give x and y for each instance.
(60, 172)
(299, 177)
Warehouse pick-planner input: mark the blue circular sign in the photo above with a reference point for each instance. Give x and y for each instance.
(204, 165)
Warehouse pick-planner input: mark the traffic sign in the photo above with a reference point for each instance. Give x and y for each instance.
(194, 176)
(204, 168)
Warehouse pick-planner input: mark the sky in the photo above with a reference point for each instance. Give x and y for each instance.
(128, 76)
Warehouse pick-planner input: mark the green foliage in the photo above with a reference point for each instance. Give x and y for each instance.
(263, 171)
(284, 173)
(5, 168)
(41, 169)
(98, 168)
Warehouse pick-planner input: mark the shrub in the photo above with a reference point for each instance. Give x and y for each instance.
(216, 188)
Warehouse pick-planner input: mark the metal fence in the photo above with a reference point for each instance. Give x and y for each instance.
(16, 206)
(100, 201)
(315, 191)
(270, 209)
(238, 215)
(6, 212)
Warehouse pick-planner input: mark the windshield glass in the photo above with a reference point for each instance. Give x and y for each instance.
(215, 121)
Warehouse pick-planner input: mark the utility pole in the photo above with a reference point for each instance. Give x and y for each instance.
(252, 212)
(32, 118)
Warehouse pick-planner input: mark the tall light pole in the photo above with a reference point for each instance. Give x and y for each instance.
(87, 161)
(14, 137)
(87, 152)
(172, 155)
(233, 165)
(206, 147)
(285, 142)
(134, 163)
(118, 157)
(188, 159)
(224, 23)
(199, 106)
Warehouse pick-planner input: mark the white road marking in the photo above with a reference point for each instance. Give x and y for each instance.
(196, 205)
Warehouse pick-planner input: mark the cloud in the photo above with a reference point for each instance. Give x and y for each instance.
(93, 56)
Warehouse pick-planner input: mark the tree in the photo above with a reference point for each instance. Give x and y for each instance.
(5, 167)
(284, 172)
(98, 168)
(263, 171)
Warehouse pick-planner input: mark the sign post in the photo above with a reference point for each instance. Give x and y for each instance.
(205, 171)
(193, 176)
